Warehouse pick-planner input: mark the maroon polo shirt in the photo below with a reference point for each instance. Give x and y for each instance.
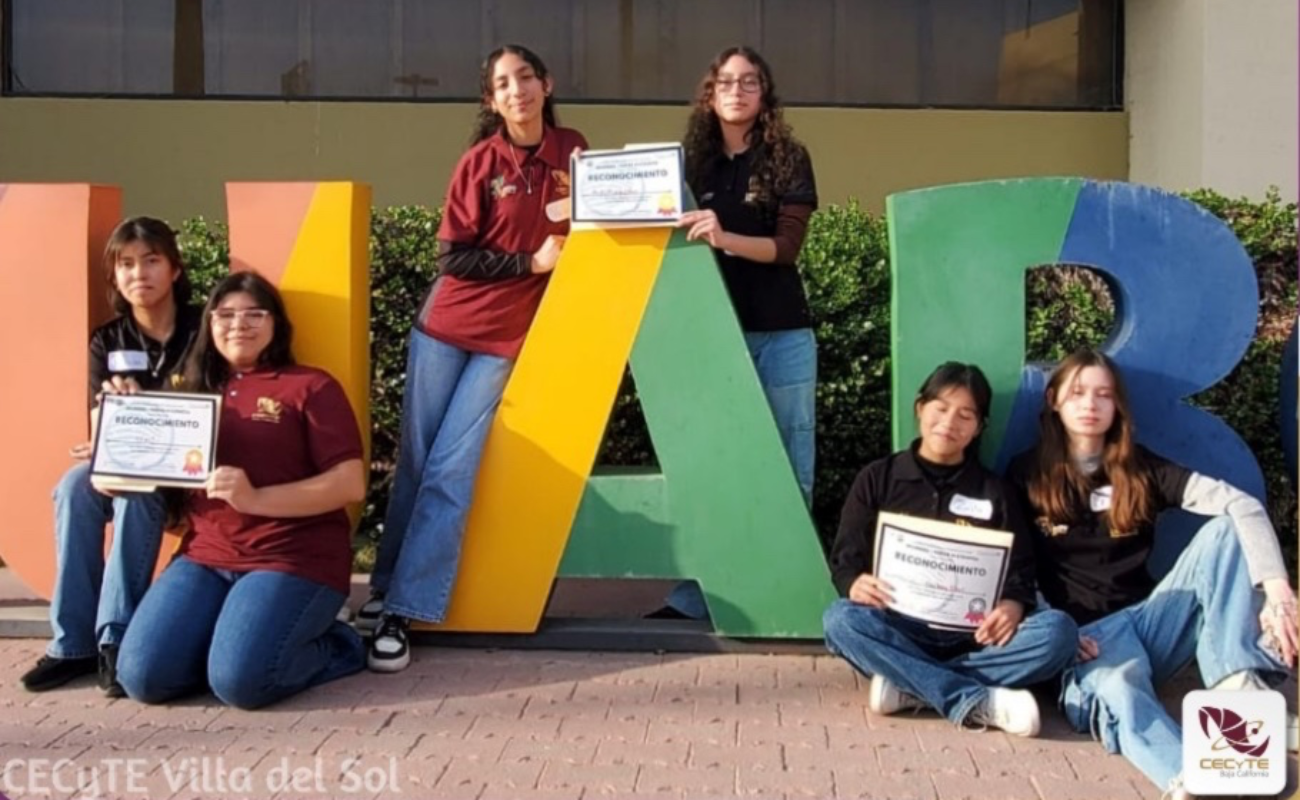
(497, 201)
(279, 426)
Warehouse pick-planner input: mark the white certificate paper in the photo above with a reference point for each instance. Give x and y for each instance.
(639, 185)
(947, 575)
(152, 439)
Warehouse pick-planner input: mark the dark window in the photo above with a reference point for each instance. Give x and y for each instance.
(961, 53)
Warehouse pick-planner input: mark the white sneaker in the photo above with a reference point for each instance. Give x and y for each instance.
(1013, 710)
(1292, 733)
(884, 698)
(1244, 680)
(368, 615)
(390, 650)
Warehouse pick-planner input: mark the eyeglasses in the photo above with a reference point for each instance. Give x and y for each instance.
(252, 317)
(748, 84)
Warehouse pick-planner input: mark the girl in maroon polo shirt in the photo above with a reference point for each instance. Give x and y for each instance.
(249, 607)
(496, 248)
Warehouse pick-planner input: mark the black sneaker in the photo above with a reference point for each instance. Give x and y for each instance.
(367, 619)
(108, 673)
(51, 673)
(389, 650)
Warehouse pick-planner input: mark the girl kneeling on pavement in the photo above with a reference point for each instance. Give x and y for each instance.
(249, 607)
(971, 678)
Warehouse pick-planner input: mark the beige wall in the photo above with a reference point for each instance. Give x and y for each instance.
(1211, 94)
(172, 157)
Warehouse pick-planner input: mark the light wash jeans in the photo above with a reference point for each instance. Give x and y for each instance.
(451, 398)
(253, 637)
(95, 597)
(945, 668)
(786, 362)
(1205, 607)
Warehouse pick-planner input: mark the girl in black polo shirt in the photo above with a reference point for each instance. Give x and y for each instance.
(753, 182)
(754, 185)
(95, 596)
(912, 665)
(1096, 495)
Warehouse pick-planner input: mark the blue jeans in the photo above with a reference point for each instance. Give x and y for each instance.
(1205, 607)
(252, 637)
(786, 362)
(947, 669)
(451, 398)
(94, 598)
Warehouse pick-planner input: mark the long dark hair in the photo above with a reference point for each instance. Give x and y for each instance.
(775, 150)
(488, 121)
(159, 238)
(956, 375)
(1057, 487)
(206, 370)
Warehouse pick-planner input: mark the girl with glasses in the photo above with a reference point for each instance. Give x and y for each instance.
(753, 183)
(249, 607)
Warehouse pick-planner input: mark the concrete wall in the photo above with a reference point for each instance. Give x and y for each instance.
(172, 157)
(1211, 93)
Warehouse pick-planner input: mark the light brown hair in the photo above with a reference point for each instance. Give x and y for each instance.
(1058, 489)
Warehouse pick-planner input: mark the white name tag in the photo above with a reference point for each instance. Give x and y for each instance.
(128, 361)
(964, 506)
(1099, 500)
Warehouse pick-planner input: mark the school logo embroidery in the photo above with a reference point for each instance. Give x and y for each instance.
(268, 410)
(501, 189)
(1045, 525)
(1234, 742)
(560, 179)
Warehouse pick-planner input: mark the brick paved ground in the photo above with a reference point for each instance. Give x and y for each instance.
(535, 724)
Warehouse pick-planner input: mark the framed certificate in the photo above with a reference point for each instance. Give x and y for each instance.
(152, 439)
(947, 575)
(638, 185)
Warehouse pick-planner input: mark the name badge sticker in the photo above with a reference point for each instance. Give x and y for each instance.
(1099, 500)
(964, 506)
(128, 361)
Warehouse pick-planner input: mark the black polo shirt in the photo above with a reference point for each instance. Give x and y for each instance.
(767, 297)
(1084, 568)
(119, 347)
(899, 484)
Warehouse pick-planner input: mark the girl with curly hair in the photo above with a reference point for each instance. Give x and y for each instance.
(753, 182)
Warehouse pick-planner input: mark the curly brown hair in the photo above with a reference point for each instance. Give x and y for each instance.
(776, 153)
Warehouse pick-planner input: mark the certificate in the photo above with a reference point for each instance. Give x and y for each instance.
(147, 440)
(638, 185)
(947, 575)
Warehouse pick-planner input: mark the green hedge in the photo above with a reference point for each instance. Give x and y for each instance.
(846, 271)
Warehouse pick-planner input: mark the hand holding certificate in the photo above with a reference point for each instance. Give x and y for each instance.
(148, 440)
(948, 575)
(636, 186)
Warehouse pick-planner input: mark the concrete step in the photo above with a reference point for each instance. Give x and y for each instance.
(583, 614)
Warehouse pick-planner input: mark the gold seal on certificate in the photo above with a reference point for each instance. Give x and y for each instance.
(147, 440)
(640, 185)
(947, 575)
